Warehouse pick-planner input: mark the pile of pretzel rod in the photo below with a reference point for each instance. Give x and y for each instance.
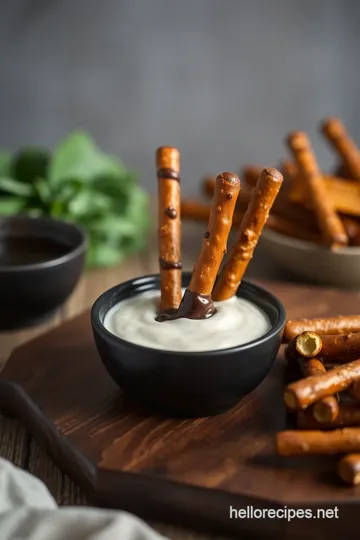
(326, 400)
(206, 285)
(312, 206)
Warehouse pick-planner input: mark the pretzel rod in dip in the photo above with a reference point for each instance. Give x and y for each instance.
(168, 169)
(337, 441)
(300, 394)
(197, 302)
(327, 325)
(330, 225)
(335, 132)
(251, 226)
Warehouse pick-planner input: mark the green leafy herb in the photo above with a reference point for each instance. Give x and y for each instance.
(80, 184)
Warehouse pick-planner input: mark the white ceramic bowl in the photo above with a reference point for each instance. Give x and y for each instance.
(315, 263)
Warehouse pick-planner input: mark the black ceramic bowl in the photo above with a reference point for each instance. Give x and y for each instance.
(187, 384)
(41, 260)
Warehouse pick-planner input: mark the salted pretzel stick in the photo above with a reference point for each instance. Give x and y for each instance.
(262, 198)
(341, 346)
(301, 394)
(348, 415)
(308, 344)
(329, 325)
(197, 302)
(297, 443)
(168, 168)
(327, 408)
(348, 469)
(329, 223)
(209, 189)
(335, 132)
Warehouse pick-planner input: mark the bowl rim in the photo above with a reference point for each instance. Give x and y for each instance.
(290, 242)
(98, 326)
(45, 220)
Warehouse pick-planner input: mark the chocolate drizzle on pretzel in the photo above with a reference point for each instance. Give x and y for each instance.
(168, 172)
(169, 265)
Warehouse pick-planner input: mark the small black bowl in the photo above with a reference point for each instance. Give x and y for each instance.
(186, 384)
(41, 260)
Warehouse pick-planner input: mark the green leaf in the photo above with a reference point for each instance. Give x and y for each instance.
(30, 164)
(14, 187)
(78, 156)
(89, 205)
(5, 163)
(42, 193)
(10, 206)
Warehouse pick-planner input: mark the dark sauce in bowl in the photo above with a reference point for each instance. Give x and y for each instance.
(21, 250)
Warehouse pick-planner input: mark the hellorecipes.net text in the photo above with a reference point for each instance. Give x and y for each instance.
(285, 513)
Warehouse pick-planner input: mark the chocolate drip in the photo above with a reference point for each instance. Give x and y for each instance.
(193, 306)
(168, 265)
(168, 173)
(170, 212)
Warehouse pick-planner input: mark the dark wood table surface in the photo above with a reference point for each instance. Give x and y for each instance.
(15, 442)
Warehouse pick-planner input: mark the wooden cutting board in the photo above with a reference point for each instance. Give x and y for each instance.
(185, 471)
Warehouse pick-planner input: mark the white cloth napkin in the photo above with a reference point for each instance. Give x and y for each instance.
(28, 512)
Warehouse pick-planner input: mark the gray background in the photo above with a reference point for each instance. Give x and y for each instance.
(224, 80)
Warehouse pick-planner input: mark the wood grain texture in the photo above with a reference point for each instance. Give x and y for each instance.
(163, 468)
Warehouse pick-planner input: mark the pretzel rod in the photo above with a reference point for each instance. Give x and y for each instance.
(297, 443)
(342, 346)
(335, 132)
(209, 189)
(197, 302)
(348, 469)
(262, 198)
(330, 325)
(168, 168)
(348, 416)
(329, 223)
(327, 408)
(308, 344)
(344, 195)
(301, 394)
